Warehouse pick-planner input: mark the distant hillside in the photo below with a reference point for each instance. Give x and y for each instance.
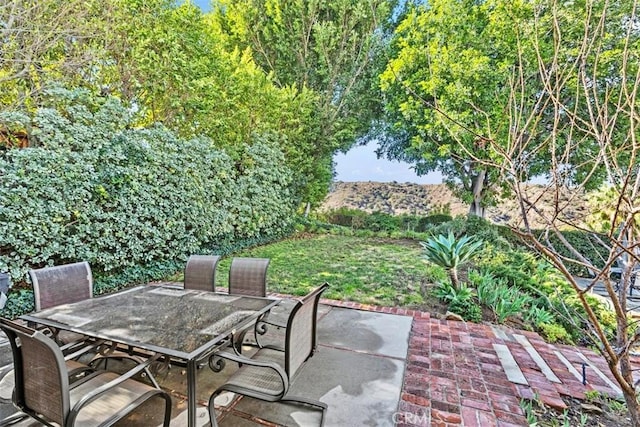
(423, 199)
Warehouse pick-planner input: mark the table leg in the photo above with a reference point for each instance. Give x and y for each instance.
(192, 368)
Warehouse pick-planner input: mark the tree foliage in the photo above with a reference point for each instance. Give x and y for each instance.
(331, 48)
(43, 41)
(581, 110)
(446, 87)
(173, 65)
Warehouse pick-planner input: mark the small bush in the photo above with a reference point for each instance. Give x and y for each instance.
(510, 302)
(344, 216)
(475, 226)
(515, 267)
(537, 315)
(447, 293)
(555, 333)
(428, 222)
(380, 221)
(468, 310)
(18, 302)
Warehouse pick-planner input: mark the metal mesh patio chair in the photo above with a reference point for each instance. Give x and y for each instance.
(63, 284)
(268, 374)
(248, 276)
(42, 389)
(200, 272)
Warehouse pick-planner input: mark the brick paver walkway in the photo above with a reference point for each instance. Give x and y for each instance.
(454, 375)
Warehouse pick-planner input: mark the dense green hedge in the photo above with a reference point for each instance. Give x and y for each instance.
(126, 199)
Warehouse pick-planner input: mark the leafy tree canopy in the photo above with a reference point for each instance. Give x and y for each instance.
(446, 88)
(333, 49)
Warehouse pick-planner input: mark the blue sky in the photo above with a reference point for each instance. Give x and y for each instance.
(205, 5)
(361, 163)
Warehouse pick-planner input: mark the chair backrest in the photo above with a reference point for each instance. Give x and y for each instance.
(41, 382)
(300, 341)
(61, 284)
(248, 276)
(200, 272)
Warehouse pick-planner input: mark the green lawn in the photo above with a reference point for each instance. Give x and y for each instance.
(368, 270)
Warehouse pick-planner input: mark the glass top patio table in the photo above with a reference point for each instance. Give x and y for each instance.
(185, 324)
(173, 321)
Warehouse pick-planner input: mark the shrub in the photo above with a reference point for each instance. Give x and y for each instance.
(380, 221)
(554, 332)
(449, 294)
(19, 302)
(475, 226)
(409, 223)
(509, 302)
(450, 253)
(587, 245)
(485, 284)
(121, 198)
(515, 267)
(468, 310)
(538, 315)
(344, 216)
(428, 222)
(494, 292)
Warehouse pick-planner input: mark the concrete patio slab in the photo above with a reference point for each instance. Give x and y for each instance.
(360, 389)
(357, 371)
(367, 332)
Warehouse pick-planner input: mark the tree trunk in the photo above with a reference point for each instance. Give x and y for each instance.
(453, 275)
(629, 394)
(477, 189)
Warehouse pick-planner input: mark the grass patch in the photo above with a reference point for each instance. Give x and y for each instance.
(367, 270)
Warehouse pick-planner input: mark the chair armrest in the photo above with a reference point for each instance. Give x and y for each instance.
(79, 352)
(94, 394)
(252, 362)
(272, 322)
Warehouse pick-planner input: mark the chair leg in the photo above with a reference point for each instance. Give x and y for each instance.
(212, 408)
(305, 401)
(12, 419)
(167, 409)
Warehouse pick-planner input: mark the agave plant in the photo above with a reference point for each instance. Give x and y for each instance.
(450, 253)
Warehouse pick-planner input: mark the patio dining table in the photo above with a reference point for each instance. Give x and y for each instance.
(187, 325)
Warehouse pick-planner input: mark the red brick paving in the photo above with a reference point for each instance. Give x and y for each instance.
(453, 374)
